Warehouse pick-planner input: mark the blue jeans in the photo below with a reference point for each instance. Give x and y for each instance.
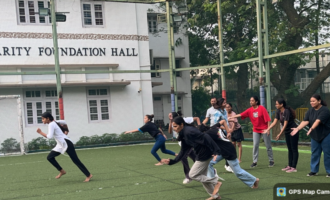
(160, 144)
(240, 173)
(317, 148)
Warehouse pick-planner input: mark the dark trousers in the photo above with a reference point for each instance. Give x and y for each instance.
(292, 143)
(73, 155)
(185, 163)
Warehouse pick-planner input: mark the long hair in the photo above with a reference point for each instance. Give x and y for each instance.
(282, 101)
(256, 99)
(51, 118)
(318, 97)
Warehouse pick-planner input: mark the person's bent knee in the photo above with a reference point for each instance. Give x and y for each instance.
(49, 157)
(193, 175)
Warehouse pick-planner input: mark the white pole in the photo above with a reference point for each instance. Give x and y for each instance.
(20, 124)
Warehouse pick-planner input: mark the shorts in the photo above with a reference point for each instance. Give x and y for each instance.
(237, 136)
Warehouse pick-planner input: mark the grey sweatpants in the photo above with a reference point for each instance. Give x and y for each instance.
(198, 172)
(256, 141)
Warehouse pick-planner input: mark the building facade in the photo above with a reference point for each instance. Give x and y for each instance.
(97, 35)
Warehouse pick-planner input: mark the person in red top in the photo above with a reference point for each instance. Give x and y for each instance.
(261, 121)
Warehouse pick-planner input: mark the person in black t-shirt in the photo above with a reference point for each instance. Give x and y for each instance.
(286, 116)
(228, 152)
(156, 133)
(318, 119)
(204, 148)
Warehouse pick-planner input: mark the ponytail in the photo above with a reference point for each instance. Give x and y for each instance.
(150, 117)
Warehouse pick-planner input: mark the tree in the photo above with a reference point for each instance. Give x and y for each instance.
(239, 29)
(290, 23)
(291, 26)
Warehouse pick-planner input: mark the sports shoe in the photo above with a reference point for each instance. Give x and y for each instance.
(311, 174)
(271, 164)
(186, 181)
(328, 176)
(291, 170)
(253, 165)
(286, 168)
(228, 169)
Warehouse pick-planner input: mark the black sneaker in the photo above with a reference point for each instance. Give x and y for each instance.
(328, 176)
(312, 174)
(271, 164)
(253, 165)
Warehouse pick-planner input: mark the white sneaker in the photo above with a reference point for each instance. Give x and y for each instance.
(228, 169)
(217, 176)
(186, 181)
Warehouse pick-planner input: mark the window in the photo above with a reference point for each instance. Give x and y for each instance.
(32, 94)
(157, 98)
(27, 12)
(155, 66)
(37, 102)
(152, 24)
(98, 105)
(51, 93)
(93, 14)
(177, 66)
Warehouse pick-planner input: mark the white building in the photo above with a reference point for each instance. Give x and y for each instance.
(97, 35)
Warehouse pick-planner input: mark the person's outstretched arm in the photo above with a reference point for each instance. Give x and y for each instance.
(132, 131)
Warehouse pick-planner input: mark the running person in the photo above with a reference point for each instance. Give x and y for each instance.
(260, 121)
(228, 152)
(237, 134)
(156, 133)
(220, 113)
(191, 154)
(64, 144)
(204, 148)
(318, 119)
(286, 116)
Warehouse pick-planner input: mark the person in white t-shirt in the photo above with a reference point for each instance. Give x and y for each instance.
(191, 154)
(58, 131)
(210, 112)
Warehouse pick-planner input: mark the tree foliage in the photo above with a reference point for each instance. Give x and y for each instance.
(292, 25)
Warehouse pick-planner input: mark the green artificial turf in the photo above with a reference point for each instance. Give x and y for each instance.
(128, 172)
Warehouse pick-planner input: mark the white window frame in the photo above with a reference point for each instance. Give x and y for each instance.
(27, 14)
(43, 100)
(92, 4)
(153, 29)
(156, 66)
(98, 98)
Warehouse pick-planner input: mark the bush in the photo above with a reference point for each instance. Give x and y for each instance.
(10, 145)
(83, 141)
(41, 143)
(109, 138)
